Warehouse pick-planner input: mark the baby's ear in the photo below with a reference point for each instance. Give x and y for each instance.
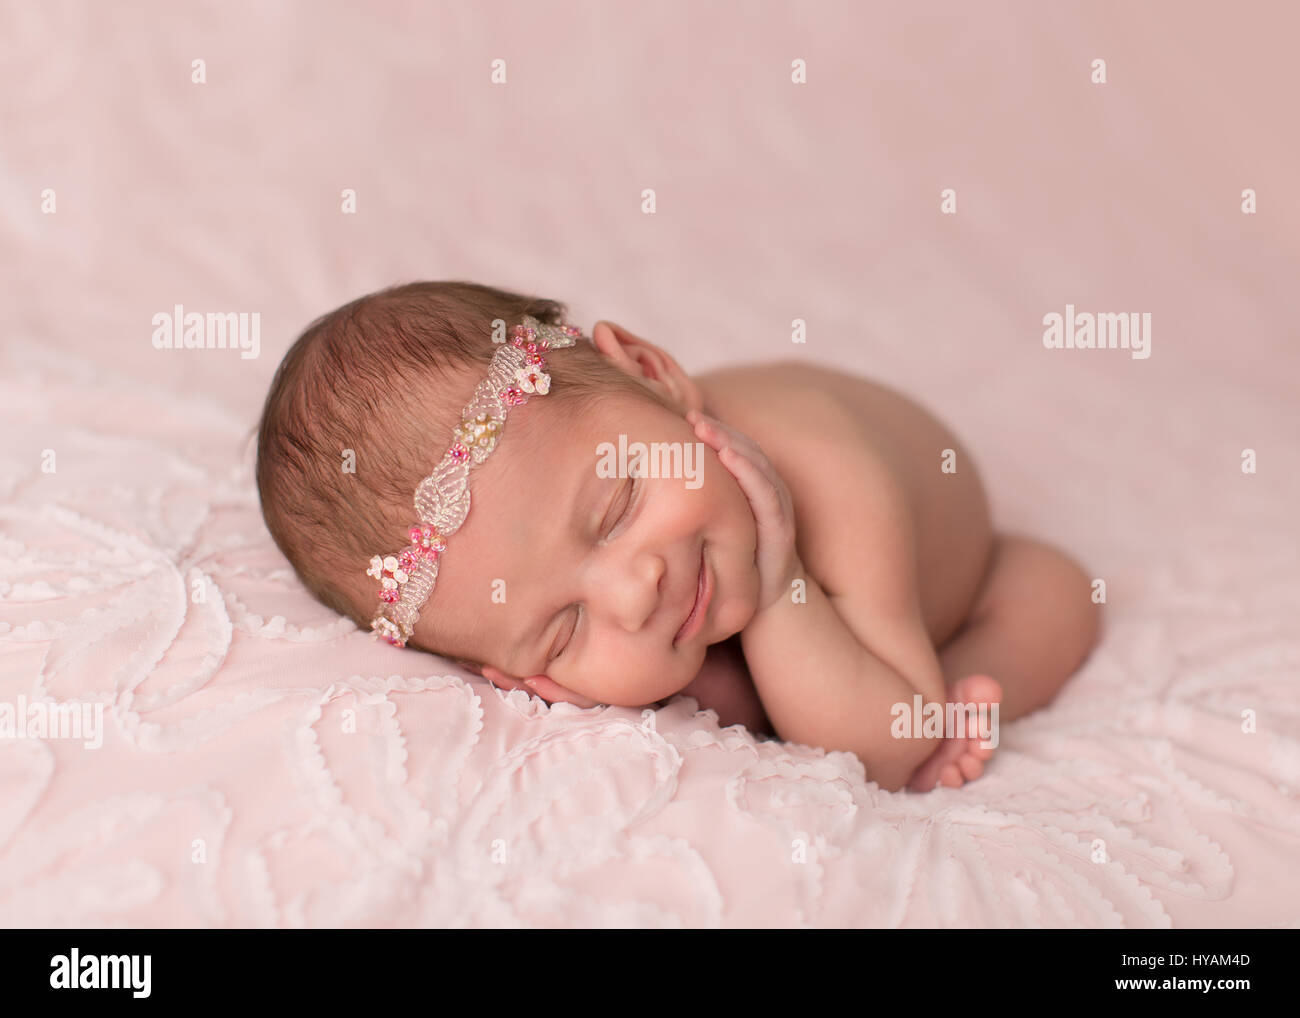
(499, 679)
(552, 692)
(642, 359)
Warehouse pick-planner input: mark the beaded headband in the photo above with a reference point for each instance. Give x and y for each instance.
(406, 578)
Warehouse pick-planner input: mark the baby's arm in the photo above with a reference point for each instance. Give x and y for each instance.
(822, 687)
(829, 671)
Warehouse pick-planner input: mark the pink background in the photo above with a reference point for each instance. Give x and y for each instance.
(774, 201)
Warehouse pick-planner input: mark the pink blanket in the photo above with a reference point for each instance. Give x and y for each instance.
(264, 764)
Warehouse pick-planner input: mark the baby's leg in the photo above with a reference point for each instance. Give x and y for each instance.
(1032, 625)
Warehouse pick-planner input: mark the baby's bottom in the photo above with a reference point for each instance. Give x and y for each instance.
(1031, 626)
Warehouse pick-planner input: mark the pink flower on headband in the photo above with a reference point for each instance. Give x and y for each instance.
(426, 542)
(387, 570)
(532, 378)
(391, 576)
(389, 631)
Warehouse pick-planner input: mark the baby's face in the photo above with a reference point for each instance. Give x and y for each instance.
(565, 572)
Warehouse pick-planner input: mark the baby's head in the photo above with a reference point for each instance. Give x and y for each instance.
(560, 573)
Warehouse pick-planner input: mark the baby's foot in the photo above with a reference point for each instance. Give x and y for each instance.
(957, 761)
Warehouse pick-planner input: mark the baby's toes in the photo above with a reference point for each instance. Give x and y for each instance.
(971, 766)
(950, 776)
(976, 689)
(979, 752)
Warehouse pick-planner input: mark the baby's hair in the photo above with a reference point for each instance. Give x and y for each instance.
(386, 376)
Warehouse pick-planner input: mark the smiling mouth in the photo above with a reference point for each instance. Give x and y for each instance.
(703, 593)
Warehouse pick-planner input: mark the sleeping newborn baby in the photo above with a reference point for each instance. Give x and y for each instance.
(805, 552)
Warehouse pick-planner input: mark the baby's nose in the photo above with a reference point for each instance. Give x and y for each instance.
(636, 595)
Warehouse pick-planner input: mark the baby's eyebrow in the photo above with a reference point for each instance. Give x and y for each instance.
(583, 508)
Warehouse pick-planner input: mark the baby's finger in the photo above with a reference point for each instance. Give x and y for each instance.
(720, 437)
(711, 436)
(735, 437)
(764, 498)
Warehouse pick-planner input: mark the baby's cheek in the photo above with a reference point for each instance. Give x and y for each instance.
(649, 682)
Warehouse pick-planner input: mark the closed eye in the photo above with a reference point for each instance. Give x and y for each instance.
(623, 504)
(628, 500)
(568, 639)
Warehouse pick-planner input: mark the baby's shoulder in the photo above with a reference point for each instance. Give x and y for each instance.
(803, 408)
(821, 428)
(784, 403)
(787, 389)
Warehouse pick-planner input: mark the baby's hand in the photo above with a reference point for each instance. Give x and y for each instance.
(769, 499)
